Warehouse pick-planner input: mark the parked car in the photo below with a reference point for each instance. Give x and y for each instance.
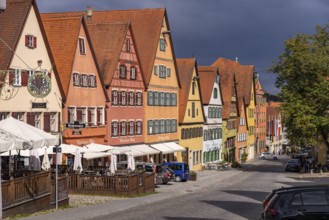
(268, 156)
(293, 165)
(300, 157)
(171, 173)
(181, 169)
(161, 175)
(301, 202)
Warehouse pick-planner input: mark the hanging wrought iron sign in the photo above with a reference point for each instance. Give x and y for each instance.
(39, 84)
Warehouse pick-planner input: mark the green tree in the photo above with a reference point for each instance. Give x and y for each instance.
(303, 79)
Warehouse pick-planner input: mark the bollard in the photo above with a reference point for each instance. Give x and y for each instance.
(311, 171)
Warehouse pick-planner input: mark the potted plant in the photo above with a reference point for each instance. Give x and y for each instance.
(244, 157)
(193, 175)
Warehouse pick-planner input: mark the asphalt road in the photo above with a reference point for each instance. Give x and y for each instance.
(234, 194)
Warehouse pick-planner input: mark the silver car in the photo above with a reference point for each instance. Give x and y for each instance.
(268, 156)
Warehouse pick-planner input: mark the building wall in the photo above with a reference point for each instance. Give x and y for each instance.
(18, 99)
(85, 97)
(168, 84)
(260, 120)
(241, 140)
(251, 111)
(119, 113)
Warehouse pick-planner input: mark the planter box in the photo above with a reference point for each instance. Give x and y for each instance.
(192, 177)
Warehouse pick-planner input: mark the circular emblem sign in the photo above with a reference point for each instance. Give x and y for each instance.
(39, 85)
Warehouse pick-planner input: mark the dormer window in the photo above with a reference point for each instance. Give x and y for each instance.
(82, 47)
(30, 41)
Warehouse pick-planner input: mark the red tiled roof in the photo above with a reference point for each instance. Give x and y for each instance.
(62, 34)
(12, 21)
(185, 67)
(244, 78)
(107, 40)
(207, 79)
(227, 75)
(146, 27)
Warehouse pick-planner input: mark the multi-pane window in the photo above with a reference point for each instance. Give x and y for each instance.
(131, 128)
(156, 98)
(114, 97)
(114, 128)
(84, 80)
(53, 124)
(30, 41)
(162, 71)
(82, 48)
(76, 79)
(81, 115)
(168, 126)
(167, 99)
(91, 116)
(100, 116)
(139, 99)
(123, 98)
(71, 115)
(150, 98)
(156, 126)
(92, 81)
(162, 44)
(132, 72)
(155, 70)
(162, 126)
(139, 127)
(17, 77)
(162, 98)
(173, 125)
(123, 70)
(168, 72)
(173, 99)
(131, 98)
(123, 128)
(37, 120)
(150, 127)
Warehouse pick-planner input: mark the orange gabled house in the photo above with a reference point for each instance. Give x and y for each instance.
(85, 99)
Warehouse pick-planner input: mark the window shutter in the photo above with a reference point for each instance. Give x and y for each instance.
(119, 128)
(24, 78)
(35, 42)
(59, 121)
(14, 115)
(80, 80)
(26, 40)
(68, 116)
(105, 116)
(141, 123)
(95, 81)
(11, 77)
(112, 129)
(30, 118)
(89, 117)
(119, 98)
(98, 116)
(79, 115)
(135, 128)
(46, 121)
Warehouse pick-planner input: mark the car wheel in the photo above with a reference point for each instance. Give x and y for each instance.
(263, 158)
(275, 158)
(178, 179)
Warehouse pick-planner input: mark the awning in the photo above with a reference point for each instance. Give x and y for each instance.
(127, 149)
(175, 146)
(145, 149)
(163, 148)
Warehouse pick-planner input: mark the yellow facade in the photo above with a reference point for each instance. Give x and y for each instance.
(193, 120)
(251, 124)
(169, 84)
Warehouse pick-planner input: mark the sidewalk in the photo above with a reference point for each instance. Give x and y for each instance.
(104, 207)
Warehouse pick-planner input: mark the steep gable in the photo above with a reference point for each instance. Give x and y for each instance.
(12, 22)
(227, 77)
(146, 27)
(208, 77)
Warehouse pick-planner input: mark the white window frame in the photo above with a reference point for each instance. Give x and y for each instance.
(131, 126)
(53, 121)
(156, 70)
(139, 96)
(139, 127)
(84, 80)
(123, 128)
(76, 79)
(102, 115)
(115, 100)
(93, 116)
(17, 80)
(73, 114)
(37, 120)
(82, 45)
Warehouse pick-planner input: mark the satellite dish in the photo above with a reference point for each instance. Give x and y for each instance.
(2, 5)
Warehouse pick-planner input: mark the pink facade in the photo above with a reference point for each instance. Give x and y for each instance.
(126, 112)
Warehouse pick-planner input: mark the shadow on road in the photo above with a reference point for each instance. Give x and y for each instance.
(259, 196)
(189, 218)
(231, 206)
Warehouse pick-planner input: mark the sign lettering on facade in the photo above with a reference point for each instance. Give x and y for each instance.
(39, 104)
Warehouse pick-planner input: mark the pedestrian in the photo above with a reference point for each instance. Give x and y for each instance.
(306, 168)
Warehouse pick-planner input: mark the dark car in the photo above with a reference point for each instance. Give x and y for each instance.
(162, 175)
(293, 165)
(302, 202)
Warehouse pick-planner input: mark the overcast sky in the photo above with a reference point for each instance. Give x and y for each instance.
(252, 30)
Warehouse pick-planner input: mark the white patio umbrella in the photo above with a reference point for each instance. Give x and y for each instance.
(77, 165)
(113, 166)
(35, 137)
(10, 142)
(45, 162)
(131, 161)
(35, 160)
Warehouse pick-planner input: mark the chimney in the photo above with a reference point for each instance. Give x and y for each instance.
(90, 10)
